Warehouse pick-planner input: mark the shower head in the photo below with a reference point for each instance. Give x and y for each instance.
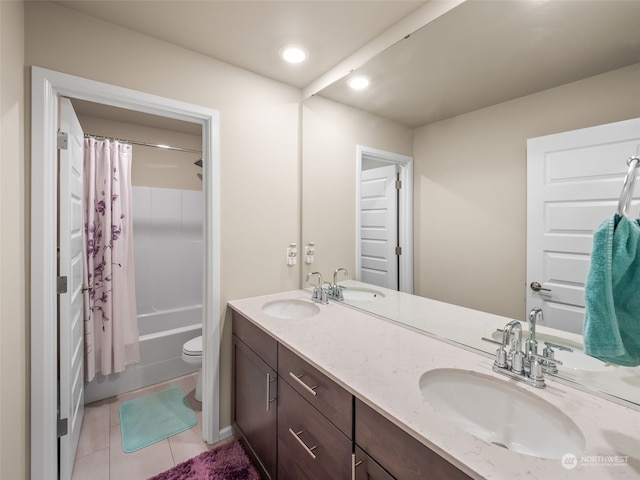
(198, 163)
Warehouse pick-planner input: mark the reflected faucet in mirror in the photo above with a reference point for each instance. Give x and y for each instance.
(335, 290)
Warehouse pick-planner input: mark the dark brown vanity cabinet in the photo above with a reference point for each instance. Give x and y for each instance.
(315, 422)
(402, 456)
(298, 424)
(255, 389)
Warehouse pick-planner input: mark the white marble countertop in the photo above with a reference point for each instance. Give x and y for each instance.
(381, 363)
(467, 327)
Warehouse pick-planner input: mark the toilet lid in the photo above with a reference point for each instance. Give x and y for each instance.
(193, 346)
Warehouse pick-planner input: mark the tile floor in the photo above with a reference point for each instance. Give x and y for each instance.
(100, 455)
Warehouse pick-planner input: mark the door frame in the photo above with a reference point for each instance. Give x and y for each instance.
(46, 86)
(405, 205)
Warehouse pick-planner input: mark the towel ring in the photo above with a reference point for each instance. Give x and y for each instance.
(627, 188)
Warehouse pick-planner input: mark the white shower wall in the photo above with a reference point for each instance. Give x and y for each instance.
(168, 251)
(168, 257)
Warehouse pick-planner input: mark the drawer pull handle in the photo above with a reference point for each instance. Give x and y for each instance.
(269, 400)
(309, 450)
(354, 465)
(311, 390)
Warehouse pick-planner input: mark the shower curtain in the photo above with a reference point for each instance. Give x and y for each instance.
(111, 325)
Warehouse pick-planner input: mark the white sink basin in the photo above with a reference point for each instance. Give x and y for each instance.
(361, 294)
(291, 309)
(501, 414)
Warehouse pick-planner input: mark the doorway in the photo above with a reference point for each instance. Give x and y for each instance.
(384, 219)
(47, 87)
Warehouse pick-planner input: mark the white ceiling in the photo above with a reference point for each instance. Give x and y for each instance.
(249, 34)
(480, 53)
(486, 52)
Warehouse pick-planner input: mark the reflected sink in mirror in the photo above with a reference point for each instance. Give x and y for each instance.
(501, 414)
(576, 360)
(355, 294)
(290, 309)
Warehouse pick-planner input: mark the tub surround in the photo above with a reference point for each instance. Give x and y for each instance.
(380, 363)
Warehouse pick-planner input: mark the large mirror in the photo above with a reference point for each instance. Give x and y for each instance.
(461, 97)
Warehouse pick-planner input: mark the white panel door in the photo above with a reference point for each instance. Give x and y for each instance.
(574, 181)
(71, 265)
(379, 227)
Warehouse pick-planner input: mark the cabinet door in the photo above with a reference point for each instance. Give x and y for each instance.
(366, 468)
(398, 452)
(312, 441)
(254, 402)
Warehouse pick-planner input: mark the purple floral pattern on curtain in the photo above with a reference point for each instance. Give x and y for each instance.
(111, 328)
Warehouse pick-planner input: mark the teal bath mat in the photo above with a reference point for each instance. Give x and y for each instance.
(149, 419)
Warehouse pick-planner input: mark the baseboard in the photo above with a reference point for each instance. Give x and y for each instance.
(227, 432)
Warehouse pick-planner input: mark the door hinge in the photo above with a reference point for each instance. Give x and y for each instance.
(398, 250)
(63, 140)
(61, 285)
(398, 184)
(63, 427)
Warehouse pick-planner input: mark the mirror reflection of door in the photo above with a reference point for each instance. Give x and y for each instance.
(574, 181)
(384, 220)
(379, 227)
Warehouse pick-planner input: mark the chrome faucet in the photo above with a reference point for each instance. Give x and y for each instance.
(547, 360)
(335, 290)
(512, 363)
(319, 293)
(525, 365)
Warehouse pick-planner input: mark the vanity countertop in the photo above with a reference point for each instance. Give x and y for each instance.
(381, 363)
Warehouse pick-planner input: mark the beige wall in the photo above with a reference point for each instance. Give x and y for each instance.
(470, 188)
(259, 146)
(14, 330)
(150, 166)
(331, 133)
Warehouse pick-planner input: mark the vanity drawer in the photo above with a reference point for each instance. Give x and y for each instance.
(257, 340)
(398, 452)
(333, 401)
(366, 468)
(288, 469)
(317, 447)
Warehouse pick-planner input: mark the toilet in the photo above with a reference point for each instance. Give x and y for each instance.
(192, 354)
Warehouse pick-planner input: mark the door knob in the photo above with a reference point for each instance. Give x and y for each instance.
(536, 287)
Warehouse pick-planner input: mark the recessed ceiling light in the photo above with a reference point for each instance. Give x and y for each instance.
(294, 53)
(358, 82)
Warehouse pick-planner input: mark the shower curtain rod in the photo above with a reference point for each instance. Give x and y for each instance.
(144, 144)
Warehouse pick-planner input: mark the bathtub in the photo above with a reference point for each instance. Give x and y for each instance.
(162, 335)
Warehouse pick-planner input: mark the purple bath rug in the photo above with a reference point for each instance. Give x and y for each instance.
(226, 462)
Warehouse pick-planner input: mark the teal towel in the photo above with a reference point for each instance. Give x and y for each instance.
(612, 293)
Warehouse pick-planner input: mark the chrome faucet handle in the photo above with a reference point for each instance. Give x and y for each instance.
(547, 361)
(536, 371)
(558, 346)
(542, 358)
(501, 353)
(322, 295)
